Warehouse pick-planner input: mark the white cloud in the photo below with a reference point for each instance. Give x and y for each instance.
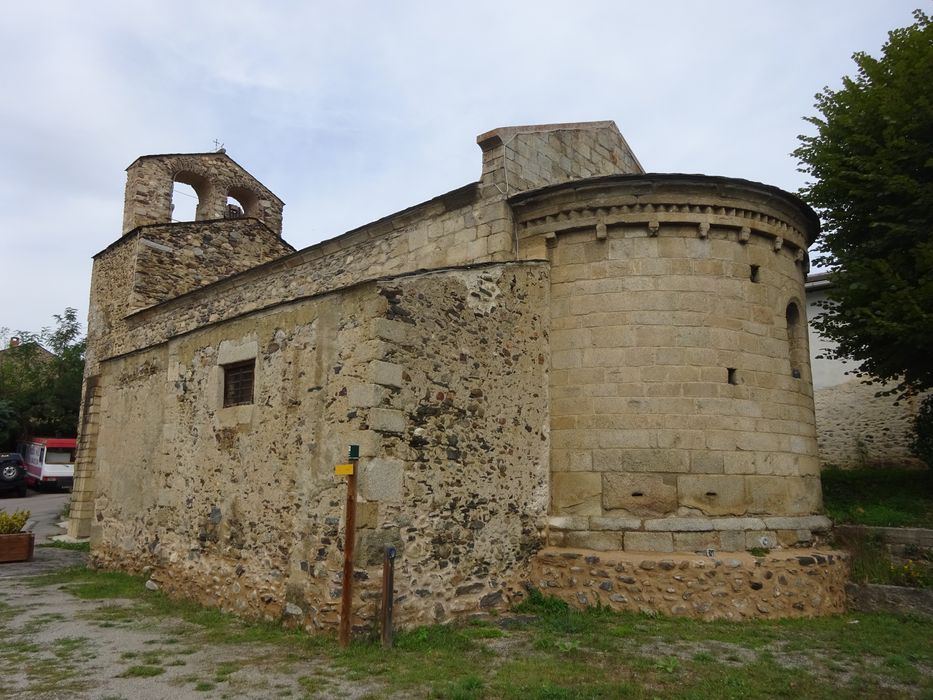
(351, 111)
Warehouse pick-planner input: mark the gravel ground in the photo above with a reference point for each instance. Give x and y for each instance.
(56, 645)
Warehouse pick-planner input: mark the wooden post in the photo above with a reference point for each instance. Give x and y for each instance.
(388, 595)
(349, 540)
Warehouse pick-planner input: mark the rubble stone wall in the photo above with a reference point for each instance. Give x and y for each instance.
(240, 507)
(172, 259)
(731, 586)
(439, 234)
(150, 182)
(857, 429)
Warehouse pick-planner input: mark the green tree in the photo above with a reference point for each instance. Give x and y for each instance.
(871, 161)
(40, 381)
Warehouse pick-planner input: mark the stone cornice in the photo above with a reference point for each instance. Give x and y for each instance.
(656, 199)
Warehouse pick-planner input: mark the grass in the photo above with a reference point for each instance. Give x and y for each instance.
(879, 497)
(871, 562)
(544, 651)
(73, 546)
(142, 672)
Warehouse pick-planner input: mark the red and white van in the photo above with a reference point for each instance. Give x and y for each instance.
(50, 462)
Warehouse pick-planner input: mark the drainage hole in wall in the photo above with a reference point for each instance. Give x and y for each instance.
(637, 493)
(731, 375)
(710, 493)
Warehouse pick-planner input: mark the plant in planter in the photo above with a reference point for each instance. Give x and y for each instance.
(15, 545)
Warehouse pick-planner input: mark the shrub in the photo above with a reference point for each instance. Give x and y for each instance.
(11, 523)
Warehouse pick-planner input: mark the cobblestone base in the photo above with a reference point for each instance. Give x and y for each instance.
(730, 585)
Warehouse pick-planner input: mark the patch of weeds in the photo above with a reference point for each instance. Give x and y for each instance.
(881, 497)
(72, 546)
(568, 645)
(203, 686)
(65, 648)
(40, 621)
(759, 551)
(56, 680)
(7, 612)
(434, 638)
(902, 667)
(142, 671)
(870, 562)
(467, 688)
(112, 615)
(92, 585)
(313, 685)
(669, 665)
(622, 630)
(225, 670)
(483, 632)
(539, 604)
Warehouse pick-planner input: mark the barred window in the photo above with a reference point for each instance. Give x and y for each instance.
(238, 383)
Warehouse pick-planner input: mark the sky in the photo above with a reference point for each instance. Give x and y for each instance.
(350, 111)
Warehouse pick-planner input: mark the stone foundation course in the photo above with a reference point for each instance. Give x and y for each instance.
(732, 585)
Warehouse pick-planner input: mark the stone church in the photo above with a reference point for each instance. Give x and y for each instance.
(571, 375)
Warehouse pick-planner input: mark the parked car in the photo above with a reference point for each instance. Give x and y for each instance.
(12, 473)
(50, 462)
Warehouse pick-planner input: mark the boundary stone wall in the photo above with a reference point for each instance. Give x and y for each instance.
(856, 428)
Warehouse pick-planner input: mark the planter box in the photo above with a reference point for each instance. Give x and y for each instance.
(17, 547)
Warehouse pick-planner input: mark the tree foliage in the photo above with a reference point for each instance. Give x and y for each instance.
(871, 161)
(40, 381)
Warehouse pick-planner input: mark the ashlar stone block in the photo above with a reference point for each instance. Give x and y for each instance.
(639, 494)
(381, 479)
(714, 495)
(696, 541)
(576, 493)
(365, 395)
(386, 420)
(386, 373)
(774, 495)
(603, 541)
(649, 542)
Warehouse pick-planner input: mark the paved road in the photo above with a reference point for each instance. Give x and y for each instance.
(45, 509)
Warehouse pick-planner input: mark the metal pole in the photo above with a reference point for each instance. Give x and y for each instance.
(388, 595)
(349, 540)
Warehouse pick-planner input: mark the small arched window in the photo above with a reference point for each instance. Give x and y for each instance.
(188, 192)
(242, 199)
(184, 202)
(796, 340)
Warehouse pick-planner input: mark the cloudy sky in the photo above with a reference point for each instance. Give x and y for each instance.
(352, 110)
